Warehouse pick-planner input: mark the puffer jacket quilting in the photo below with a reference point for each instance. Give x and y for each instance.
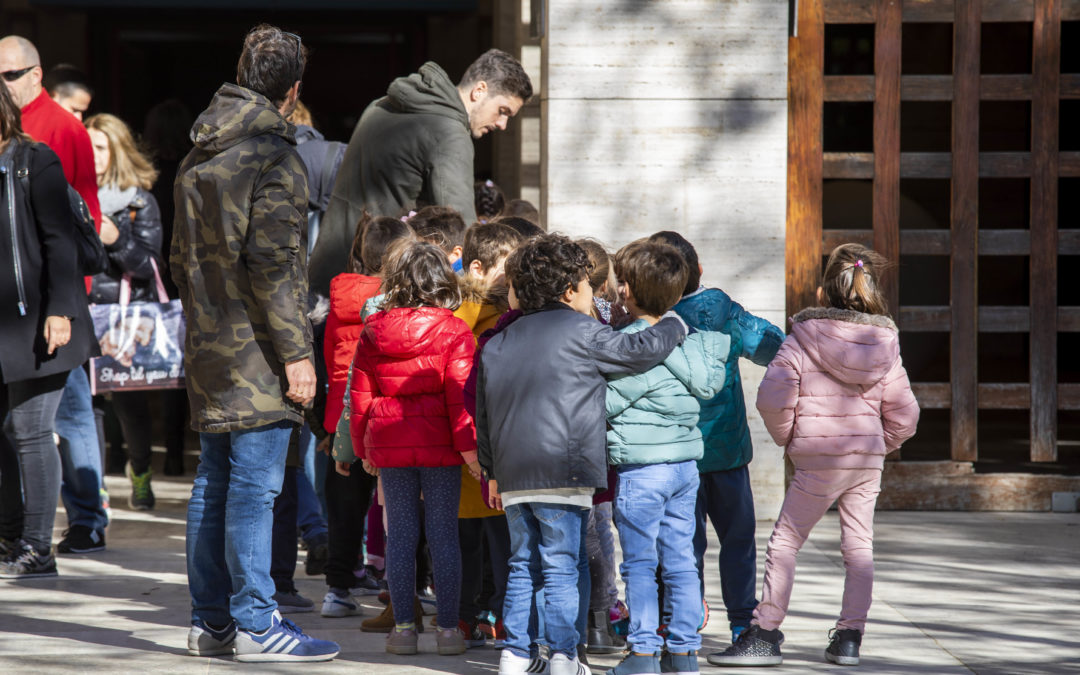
(408, 389)
(139, 243)
(348, 293)
(652, 417)
(837, 395)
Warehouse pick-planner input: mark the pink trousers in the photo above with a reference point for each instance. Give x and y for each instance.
(808, 498)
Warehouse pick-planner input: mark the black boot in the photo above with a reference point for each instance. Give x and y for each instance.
(602, 639)
(843, 647)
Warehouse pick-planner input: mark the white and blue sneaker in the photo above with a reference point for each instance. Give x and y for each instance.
(202, 640)
(340, 602)
(282, 641)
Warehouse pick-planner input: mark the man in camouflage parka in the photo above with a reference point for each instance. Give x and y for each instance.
(238, 258)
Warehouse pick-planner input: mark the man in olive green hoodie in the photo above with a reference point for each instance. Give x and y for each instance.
(413, 148)
(238, 257)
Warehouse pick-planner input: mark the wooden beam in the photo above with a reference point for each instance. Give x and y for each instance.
(993, 396)
(1005, 319)
(806, 86)
(964, 216)
(939, 242)
(854, 165)
(939, 11)
(887, 145)
(939, 87)
(1046, 69)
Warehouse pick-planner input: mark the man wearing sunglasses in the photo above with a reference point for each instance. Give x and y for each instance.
(46, 122)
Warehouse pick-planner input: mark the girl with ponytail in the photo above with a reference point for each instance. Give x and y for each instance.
(837, 398)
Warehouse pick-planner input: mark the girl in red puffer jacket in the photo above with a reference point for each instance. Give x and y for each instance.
(410, 424)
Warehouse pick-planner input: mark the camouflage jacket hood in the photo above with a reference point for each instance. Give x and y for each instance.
(238, 257)
(237, 114)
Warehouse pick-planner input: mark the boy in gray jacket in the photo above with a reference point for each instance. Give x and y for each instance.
(540, 400)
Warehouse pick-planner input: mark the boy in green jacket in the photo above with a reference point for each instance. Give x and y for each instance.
(654, 443)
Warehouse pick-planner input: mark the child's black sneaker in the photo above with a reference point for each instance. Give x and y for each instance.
(26, 562)
(755, 647)
(843, 647)
(81, 539)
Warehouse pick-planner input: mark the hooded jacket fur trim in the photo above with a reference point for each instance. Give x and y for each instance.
(837, 395)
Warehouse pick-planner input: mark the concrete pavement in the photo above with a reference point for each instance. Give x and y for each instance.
(982, 593)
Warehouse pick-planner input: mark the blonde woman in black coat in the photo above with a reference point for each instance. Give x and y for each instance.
(131, 232)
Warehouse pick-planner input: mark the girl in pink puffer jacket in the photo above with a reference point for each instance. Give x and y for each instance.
(837, 397)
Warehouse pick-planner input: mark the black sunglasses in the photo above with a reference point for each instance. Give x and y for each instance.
(12, 75)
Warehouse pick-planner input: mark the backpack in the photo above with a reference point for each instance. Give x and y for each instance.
(317, 203)
(92, 257)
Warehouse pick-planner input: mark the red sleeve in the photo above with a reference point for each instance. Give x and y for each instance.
(85, 180)
(361, 395)
(458, 364)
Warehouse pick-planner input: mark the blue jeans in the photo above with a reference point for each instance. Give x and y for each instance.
(80, 454)
(546, 551)
(655, 515)
(230, 524)
(310, 500)
(725, 497)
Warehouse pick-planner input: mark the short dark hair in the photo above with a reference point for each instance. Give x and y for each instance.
(489, 200)
(373, 237)
(64, 80)
(502, 73)
(686, 249)
(439, 225)
(544, 267)
(271, 62)
(655, 273)
(417, 274)
(525, 227)
(523, 208)
(489, 243)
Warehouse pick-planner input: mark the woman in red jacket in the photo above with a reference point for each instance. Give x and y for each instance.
(410, 423)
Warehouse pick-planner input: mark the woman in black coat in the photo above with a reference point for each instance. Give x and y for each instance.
(45, 332)
(131, 232)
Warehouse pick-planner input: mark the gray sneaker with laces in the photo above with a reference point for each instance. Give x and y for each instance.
(755, 647)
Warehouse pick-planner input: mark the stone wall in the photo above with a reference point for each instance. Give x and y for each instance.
(673, 116)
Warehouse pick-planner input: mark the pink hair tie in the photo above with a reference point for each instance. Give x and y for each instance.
(858, 263)
(489, 183)
(407, 218)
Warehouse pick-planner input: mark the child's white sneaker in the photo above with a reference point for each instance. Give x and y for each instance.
(561, 664)
(512, 664)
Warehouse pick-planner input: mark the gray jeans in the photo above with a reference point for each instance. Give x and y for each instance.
(29, 408)
(600, 544)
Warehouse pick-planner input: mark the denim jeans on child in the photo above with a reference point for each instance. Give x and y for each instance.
(230, 524)
(546, 549)
(655, 516)
(80, 454)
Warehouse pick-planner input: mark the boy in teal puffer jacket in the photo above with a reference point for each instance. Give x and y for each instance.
(724, 495)
(654, 443)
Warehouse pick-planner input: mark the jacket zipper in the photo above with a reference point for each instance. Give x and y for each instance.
(9, 183)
